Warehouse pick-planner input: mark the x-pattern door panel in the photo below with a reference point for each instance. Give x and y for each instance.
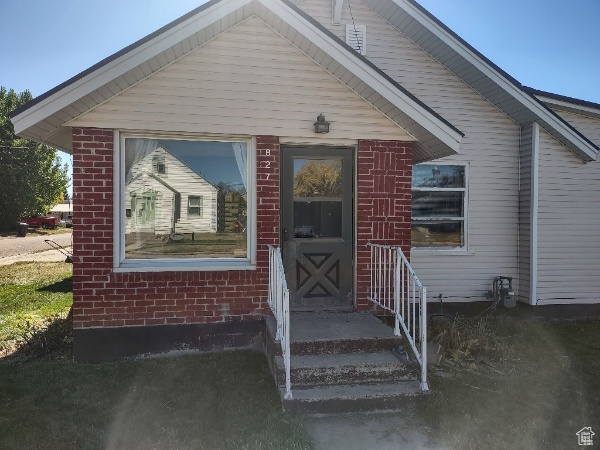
(317, 226)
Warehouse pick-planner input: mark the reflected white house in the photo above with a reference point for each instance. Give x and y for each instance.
(163, 195)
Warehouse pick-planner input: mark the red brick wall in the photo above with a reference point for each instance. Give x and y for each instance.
(384, 203)
(102, 298)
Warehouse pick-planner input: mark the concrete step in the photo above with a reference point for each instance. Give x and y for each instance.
(331, 333)
(347, 368)
(382, 396)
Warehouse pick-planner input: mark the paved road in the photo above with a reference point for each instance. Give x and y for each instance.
(14, 246)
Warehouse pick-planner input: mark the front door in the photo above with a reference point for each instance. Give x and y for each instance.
(317, 226)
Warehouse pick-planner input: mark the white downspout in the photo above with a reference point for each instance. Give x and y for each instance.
(533, 257)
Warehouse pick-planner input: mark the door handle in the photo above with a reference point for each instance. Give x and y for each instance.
(285, 234)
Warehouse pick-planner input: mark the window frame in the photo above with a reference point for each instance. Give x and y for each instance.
(159, 166)
(199, 207)
(464, 249)
(121, 264)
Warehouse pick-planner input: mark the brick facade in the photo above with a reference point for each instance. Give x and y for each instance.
(102, 298)
(384, 177)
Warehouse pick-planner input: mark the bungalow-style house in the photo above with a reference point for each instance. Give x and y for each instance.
(502, 180)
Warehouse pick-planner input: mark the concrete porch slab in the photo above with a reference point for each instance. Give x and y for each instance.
(323, 326)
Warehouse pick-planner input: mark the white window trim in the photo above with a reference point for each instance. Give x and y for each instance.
(120, 264)
(200, 206)
(464, 250)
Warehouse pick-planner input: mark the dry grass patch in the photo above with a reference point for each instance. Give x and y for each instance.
(514, 384)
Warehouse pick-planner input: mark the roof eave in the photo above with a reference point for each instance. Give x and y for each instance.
(575, 141)
(437, 137)
(119, 63)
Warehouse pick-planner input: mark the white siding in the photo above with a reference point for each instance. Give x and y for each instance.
(569, 214)
(490, 145)
(247, 81)
(181, 179)
(589, 126)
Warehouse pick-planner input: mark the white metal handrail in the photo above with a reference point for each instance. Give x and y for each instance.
(396, 288)
(279, 301)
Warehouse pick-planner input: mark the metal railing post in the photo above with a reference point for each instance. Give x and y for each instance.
(423, 327)
(397, 268)
(279, 302)
(409, 298)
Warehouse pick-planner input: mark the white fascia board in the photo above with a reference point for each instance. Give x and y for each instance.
(585, 110)
(497, 78)
(419, 114)
(117, 67)
(336, 18)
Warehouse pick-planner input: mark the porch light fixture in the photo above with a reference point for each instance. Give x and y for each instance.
(321, 125)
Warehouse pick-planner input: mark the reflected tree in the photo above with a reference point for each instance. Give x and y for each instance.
(319, 179)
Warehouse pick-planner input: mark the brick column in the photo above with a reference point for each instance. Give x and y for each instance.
(384, 176)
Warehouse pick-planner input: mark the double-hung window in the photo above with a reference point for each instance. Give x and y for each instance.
(211, 180)
(195, 205)
(439, 205)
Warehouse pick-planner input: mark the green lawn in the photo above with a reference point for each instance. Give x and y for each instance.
(33, 296)
(216, 401)
(534, 389)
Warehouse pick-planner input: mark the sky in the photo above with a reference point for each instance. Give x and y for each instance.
(551, 45)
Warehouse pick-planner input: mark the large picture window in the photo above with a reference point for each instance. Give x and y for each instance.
(439, 198)
(184, 202)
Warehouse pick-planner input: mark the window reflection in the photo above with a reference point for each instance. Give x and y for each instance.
(317, 198)
(317, 178)
(185, 199)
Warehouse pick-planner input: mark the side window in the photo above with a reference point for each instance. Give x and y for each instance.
(158, 165)
(439, 196)
(195, 205)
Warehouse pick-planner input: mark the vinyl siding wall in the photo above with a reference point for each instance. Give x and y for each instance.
(569, 214)
(589, 126)
(247, 81)
(181, 179)
(490, 145)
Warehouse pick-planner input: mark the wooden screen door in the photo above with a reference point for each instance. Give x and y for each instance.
(317, 226)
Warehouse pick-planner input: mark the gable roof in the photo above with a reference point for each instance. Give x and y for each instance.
(506, 93)
(43, 118)
(160, 145)
(575, 105)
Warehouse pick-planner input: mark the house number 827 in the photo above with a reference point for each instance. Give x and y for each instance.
(267, 164)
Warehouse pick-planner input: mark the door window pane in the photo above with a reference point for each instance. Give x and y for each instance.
(317, 198)
(317, 178)
(316, 219)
